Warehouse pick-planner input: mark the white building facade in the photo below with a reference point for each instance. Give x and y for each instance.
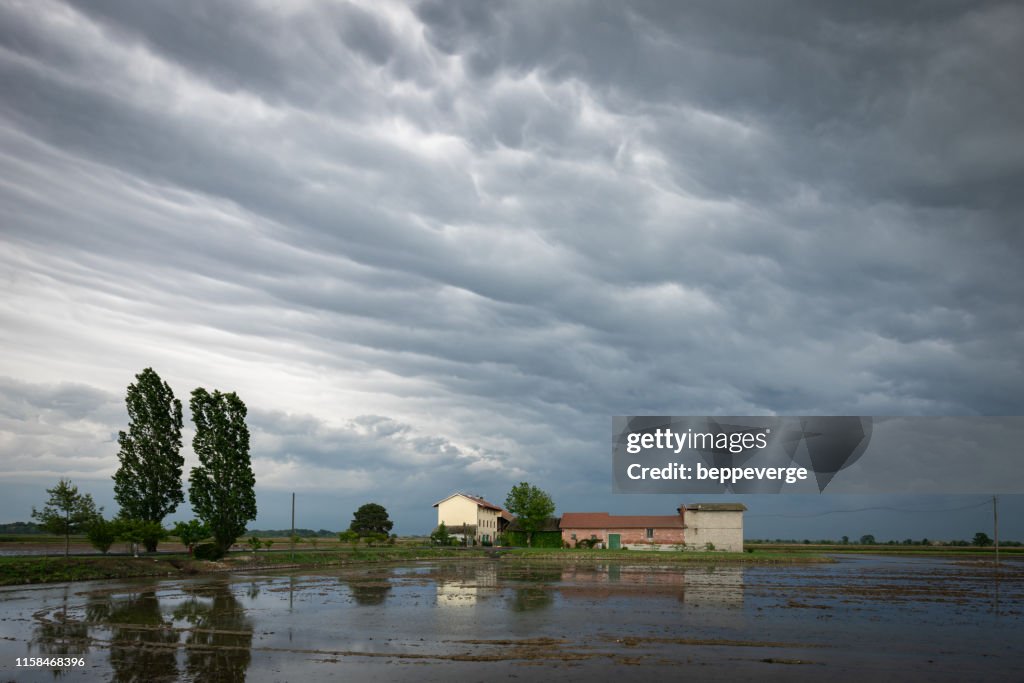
(463, 509)
(714, 526)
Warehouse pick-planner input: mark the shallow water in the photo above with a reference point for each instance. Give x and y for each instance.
(888, 618)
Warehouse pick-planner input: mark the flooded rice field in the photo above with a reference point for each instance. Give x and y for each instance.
(861, 618)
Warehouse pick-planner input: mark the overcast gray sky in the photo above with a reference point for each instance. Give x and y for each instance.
(437, 246)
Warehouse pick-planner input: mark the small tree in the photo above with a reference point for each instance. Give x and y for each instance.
(101, 533)
(371, 519)
(981, 539)
(348, 537)
(66, 512)
(140, 531)
(440, 535)
(129, 531)
(867, 539)
(152, 534)
(190, 533)
(463, 533)
(531, 506)
(255, 543)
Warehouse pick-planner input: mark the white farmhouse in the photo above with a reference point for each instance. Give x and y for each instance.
(461, 509)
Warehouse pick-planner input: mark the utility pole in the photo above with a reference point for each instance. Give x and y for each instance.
(995, 521)
(293, 526)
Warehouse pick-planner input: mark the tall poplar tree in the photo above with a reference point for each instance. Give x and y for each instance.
(147, 486)
(222, 487)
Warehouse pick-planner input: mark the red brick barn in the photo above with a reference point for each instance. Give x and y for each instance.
(640, 532)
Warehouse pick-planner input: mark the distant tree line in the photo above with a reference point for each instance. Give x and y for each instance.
(278, 533)
(22, 528)
(980, 539)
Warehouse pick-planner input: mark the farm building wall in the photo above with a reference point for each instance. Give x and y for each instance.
(722, 529)
(630, 537)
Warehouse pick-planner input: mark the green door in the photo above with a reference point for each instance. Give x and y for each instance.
(614, 541)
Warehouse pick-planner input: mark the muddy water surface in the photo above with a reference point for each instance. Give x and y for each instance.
(862, 617)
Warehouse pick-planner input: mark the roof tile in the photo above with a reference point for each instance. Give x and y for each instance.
(602, 520)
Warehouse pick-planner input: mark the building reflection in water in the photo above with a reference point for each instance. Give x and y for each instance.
(533, 587)
(714, 587)
(704, 586)
(463, 585)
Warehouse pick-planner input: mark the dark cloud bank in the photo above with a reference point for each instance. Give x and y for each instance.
(437, 246)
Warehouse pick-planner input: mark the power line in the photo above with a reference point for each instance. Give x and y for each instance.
(871, 509)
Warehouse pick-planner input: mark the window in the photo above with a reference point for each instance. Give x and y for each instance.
(572, 537)
(650, 533)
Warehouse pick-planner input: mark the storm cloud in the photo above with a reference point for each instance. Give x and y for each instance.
(437, 246)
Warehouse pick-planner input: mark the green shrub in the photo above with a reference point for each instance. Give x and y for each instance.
(190, 533)
(101, 534)
(139, 531)
(207, 551)
(440, 536)
(541, 539)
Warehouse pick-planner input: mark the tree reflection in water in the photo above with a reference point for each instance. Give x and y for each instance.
(536, 594)
(143, 643)
(219, 644)
(530, 599)
(57, 635)
(369, 592)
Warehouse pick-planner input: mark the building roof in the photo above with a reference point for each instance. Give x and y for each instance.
(717, 507)
(476, 499)
(603, 520)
